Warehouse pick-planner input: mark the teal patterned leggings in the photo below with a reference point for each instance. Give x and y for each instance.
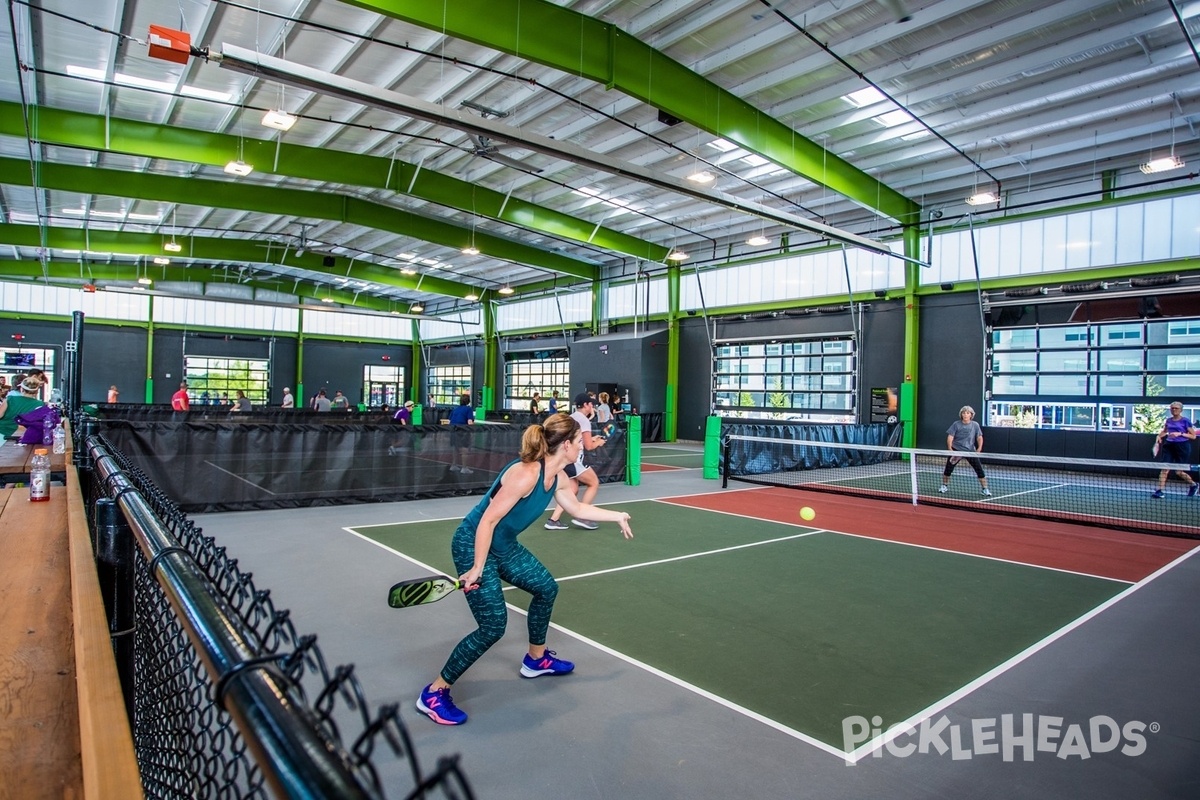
(520, 568)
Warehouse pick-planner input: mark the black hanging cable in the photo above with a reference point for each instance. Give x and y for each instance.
(881, 90)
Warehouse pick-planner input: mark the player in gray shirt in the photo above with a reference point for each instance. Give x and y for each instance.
(964, 436)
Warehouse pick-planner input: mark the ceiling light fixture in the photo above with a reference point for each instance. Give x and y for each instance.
(239, 168)
(1163, 164)
(279, 120)
(505, 290)
(407, 271)
(703, 176)
(161, 261)
(173, 247)
(470, 250)
(144, 281)
(416, 308)
(981, 199)
(758, 241)
(677, 255)
(326, 299)
(471, 297)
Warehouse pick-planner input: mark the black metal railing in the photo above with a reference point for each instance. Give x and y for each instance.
(225, 698)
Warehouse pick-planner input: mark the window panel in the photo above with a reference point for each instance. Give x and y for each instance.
(798, 379)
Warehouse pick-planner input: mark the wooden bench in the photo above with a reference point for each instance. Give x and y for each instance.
(63, 729)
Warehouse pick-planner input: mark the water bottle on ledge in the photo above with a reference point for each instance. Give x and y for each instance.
(60, 440)
(39, 477)
(47, 430)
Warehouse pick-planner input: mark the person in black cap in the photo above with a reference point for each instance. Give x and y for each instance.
(580, 473)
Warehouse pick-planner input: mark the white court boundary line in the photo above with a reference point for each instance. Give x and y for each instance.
(915, 720)
(240, 478)
(872, 745)
(721, 701)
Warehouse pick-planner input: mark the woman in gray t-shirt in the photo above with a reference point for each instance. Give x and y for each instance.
(964, 436)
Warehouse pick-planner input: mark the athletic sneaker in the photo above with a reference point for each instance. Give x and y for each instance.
(943, 488)
(465, 470)
(439, 707)
(1192, 490)
(546, 665)
(454, 467)
(586, 524)
(986, 493)
(1158, 494)
(555, 525)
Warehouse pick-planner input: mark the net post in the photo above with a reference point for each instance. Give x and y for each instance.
(633, 451)
(712, 448)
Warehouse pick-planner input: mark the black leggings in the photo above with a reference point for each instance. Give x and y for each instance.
(974, 462)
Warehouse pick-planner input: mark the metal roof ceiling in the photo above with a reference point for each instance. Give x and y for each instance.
(1042, 98)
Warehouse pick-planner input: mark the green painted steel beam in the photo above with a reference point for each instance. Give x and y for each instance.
(576, 44)
(60, 273)
(274, 200)
(249, 251)
(94, 132)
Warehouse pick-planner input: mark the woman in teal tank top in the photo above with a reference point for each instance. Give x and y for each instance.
(486, 552)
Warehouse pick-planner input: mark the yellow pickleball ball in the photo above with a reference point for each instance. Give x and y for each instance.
(807, 514)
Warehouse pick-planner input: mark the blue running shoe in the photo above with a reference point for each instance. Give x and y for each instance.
(1192, 490)
(546, 665)
(439, 707)
(1158, 494)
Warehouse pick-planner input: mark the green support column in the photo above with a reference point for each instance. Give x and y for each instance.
(414, 383)
(671, 409)
(300, 401)
(150, 354)
(491, 354)
(912, 329)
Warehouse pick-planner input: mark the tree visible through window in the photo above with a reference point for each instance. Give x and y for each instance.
(792, 379)
(213, 381)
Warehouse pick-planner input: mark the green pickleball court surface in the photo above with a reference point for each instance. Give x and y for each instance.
(805, 631)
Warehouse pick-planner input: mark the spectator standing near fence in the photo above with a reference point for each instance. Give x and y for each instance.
(113, 394)
(321, 402)
(1175, 443)
(552, 406)
(535, 405)
(339, 402)
(404, 413)
(460, 440)
(580, 473)
(964, 436)
(180, 400)
(288, 400)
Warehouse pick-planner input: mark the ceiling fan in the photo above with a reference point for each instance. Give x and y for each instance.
(486, 148)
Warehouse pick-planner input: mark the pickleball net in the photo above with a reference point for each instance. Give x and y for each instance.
(1114, 494)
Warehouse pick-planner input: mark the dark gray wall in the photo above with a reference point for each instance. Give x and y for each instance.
(951, 367)
(339, 365)
(637, 363)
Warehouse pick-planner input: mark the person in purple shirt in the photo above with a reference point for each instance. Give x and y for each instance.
(1175, 443)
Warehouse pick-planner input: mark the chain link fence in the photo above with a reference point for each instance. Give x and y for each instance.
(226, 699)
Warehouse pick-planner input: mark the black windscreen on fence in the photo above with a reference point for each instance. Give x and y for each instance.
(237, 466)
